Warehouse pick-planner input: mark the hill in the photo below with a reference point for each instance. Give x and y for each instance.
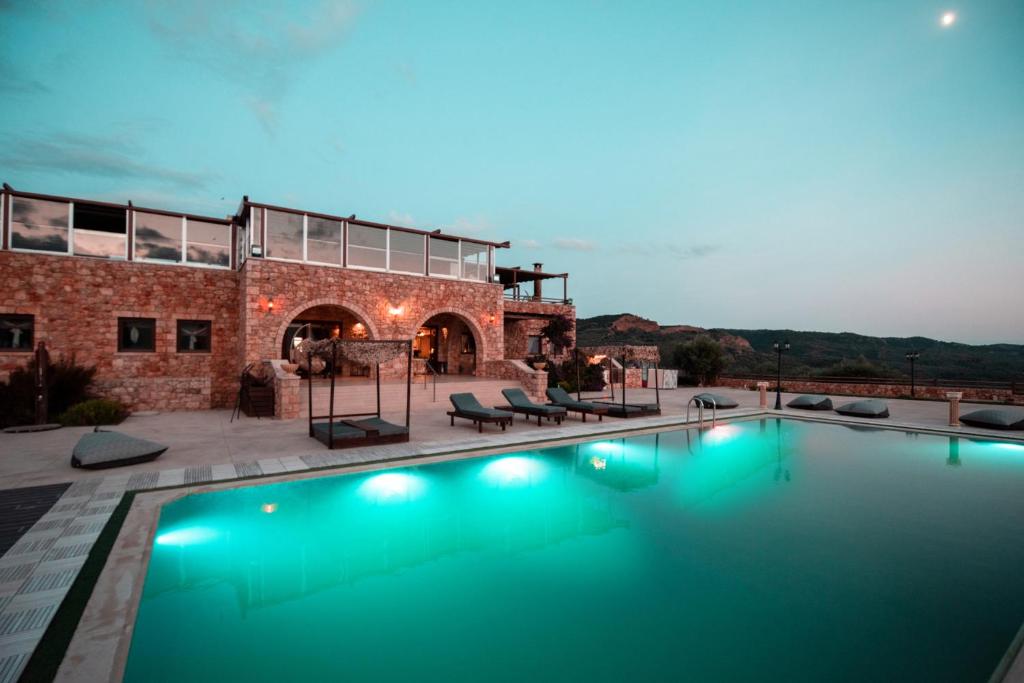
(818, 353)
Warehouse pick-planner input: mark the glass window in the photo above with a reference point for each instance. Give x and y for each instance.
(533, 345)
(284, 235)
(257, 226)
(136, 334)
(474, 261)
(16, 332)
(367, 246)
(444, 257)
(208, 243)
(100, 231)
(39, 224)
(407, 251)
(157, 237)
(194, 336)
(323, 240)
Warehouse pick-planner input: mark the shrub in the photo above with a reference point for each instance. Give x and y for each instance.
(558, 331)
(701, 359)
(564, 375)
(68, 383)
(95, 411)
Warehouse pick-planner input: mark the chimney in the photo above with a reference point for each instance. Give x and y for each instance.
(537, 293)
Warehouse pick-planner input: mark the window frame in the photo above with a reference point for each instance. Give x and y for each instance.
(177, 336)
(32, 333)
(348, 247)
(121, 321)
(184, 245)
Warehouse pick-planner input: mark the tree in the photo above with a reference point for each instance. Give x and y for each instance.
(702, 359)
(558, 331)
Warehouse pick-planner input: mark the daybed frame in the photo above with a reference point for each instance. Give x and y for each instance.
(620, 408)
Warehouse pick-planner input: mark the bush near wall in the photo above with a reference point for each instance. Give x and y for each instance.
(95, 411)
(67, 384)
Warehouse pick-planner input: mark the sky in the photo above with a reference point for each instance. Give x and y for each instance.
(834, 166)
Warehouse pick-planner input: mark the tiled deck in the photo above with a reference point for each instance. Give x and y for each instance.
(37, 571)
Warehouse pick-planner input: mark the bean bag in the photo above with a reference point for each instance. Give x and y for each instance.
(871, 407)
(994, 418)
(716, 400)
(97, 450)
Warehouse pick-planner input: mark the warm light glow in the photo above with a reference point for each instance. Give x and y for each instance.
(395, 310)
(336, 331)
(359, 328)
(513, 470)
(948, 19)
(599, 463)
(270, 305)
(392, 487)
(187, 536)
(269, 508)
(493, 318)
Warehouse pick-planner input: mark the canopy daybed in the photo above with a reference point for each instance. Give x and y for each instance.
(366, 428)
(638, 354)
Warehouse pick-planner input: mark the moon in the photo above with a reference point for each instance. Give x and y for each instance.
(948, 19)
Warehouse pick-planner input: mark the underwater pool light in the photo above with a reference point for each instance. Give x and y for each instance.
(192, 535)
(513, 470)
(392, 487)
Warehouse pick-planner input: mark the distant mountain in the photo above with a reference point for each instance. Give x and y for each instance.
(817, 353)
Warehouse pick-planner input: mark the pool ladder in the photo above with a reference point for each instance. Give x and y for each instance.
(700, 412)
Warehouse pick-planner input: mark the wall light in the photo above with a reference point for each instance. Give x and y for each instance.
(395, 310)
(493, 318)
(270, 305)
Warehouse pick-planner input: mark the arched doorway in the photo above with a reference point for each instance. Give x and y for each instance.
(324, 321)
(447, 344)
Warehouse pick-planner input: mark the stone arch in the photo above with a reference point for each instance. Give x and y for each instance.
(358, 312)
(483, 344)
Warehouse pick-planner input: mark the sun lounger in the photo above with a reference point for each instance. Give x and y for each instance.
(560, 397)
(365, 432)
(97, 450)
(519, 402)
(616, 409)
(468, 407)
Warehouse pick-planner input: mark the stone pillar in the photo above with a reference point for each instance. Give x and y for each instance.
(762, 388)
(287, 401)
(954, 407)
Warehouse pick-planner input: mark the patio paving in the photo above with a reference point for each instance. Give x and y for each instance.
(205, 447)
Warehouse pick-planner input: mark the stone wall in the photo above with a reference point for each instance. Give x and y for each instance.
(518, 330)
(535, 382)
(369, 296)
(802, 386)
(77, 301)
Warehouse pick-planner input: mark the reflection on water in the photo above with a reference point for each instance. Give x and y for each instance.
(766, 533)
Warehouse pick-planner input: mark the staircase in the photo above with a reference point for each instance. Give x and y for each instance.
(356, 395)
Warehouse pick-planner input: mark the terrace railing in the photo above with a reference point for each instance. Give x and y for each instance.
(1015, 386)
(512, 296)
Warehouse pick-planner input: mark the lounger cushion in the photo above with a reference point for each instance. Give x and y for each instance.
(97, 450)
(810, 402)
(719, 401)
(383, 427)
(995, 418)
(340, 431)
(467, 404)
(869, 408)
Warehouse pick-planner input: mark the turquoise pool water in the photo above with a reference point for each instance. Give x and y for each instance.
(761, 550)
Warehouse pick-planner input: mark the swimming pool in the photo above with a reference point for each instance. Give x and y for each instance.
(760, 550)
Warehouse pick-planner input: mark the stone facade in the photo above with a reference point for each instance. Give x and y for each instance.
(76, 302)
(518, 330)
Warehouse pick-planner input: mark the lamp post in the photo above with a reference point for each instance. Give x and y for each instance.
(912, 356)
(779, 348)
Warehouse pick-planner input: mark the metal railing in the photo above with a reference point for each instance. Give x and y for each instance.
(430, 373)
(512, 296)
(700, 412)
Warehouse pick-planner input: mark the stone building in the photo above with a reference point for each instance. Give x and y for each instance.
(170, 307)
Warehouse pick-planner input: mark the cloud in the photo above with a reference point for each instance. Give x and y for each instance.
(92, 155)
(258, 48)
(572, 244)
(470, 226)
(671, 249)
(527, 244)
(399, 218)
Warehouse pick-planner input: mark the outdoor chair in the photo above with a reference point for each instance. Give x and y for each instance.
(520, 403)
(560, 397)
(468, 407)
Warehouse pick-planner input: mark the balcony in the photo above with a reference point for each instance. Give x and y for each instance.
(527, 286)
